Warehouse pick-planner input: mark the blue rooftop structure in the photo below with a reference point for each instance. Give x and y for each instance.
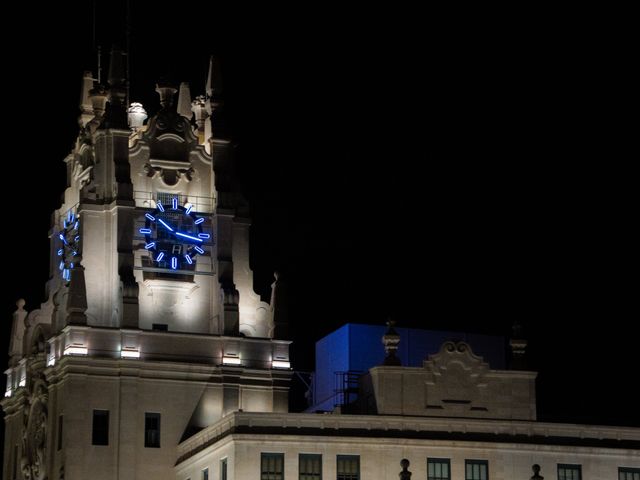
(357, 348)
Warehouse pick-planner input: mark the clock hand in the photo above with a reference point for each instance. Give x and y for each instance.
(166, 226)
(190, 237)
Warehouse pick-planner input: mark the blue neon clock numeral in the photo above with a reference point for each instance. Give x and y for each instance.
(199, 221)
(188, 258)
(174, 263)
(199, 250)
(160, 207)
(66, 274)
(204, 235)
(60, 252)
(174, 203)
(150, 245)
(160, 256)
(150, 217)
(145, 231)
(188, 210)
(61, 265)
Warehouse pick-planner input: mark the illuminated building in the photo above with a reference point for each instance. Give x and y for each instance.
(153, 358)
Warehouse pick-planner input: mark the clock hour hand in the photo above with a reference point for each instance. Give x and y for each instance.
(165, 225)
(190, 237)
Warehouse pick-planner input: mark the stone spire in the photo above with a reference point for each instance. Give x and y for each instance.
(391, 339)
(518, 345)
(213, 101)
(280, 325)
(184, 101)
(86, 107)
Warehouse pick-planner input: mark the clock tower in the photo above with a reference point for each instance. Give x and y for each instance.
(152, 330)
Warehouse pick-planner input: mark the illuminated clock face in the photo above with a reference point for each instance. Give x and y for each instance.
(69, 244)
(174, 235)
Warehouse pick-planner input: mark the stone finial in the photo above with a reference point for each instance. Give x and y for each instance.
(536, 472)
(184, 101)
(17, 332)
(405, 474)
(86, 107)
(98, 96)
(391, 339)
(166, 92)
(198, 107)
(518, 345)
(136, 115)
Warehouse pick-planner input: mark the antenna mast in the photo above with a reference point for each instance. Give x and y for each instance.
(128, 53)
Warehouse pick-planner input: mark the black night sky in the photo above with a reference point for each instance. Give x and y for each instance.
(399, 165)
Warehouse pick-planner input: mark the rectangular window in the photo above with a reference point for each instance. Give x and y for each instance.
(438, 469)
(223, 469)
(100, 432)
(476, 470)
(310, 466)
(60, 418)
(152, 430)
(205, 474)
(569, 472)
(625, 473)
(272, 466)
(348, 467)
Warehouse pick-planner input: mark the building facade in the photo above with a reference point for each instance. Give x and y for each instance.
(153, 358)
(151, 330)
(452, 418)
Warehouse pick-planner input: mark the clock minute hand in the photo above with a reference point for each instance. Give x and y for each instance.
(165, 225)
(190, 237)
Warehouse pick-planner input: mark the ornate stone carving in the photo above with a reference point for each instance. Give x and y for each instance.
(456, 378)
(34, 438)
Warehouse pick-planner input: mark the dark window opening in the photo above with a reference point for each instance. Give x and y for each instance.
(310, 467)
(476, 470)
(625, 473)
(100, 432)
(348, 467)
(272, 466)
(569, 472)
(152, 430)
(438, 469)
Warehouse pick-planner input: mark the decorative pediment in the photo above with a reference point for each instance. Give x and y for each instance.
(170, 137)
(455, 379)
